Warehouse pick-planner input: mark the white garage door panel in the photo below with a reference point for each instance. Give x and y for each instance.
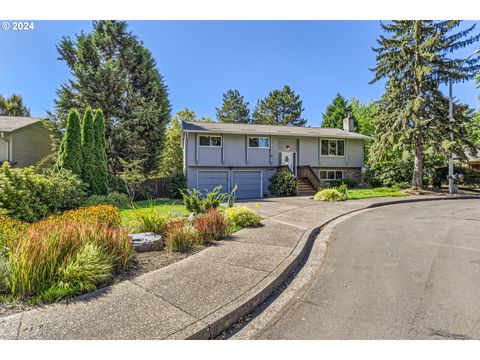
(249, 184)
(211, 179)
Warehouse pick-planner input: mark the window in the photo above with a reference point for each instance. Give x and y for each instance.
(331, 174)
(333, 147)
(211, 141)
(259, 142)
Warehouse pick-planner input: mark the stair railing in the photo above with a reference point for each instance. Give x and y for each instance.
(307, 172)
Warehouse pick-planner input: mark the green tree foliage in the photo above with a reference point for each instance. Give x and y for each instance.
(113, 71)
(13, 106)
(234, 108)
(70, 157)
(89, 165)
(171, 158)
(280, 107)
(414, 58)
(364, 114)
(338, 110)
(100, 185)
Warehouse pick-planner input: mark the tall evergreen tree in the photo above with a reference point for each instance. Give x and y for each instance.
(89, 165)
(100, 186)
(70, 157)
(113, 71)
(338, 110)
(234, 108)
(13, 106)
(280, 107)
(413, 112)
(171, 159)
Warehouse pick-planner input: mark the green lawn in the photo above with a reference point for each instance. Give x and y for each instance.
(359, 193)
(164, 207)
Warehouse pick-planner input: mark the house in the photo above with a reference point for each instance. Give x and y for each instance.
(247, 155)
(24, 141)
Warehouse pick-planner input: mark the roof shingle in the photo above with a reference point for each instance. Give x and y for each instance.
(217, 127)
(12, 123)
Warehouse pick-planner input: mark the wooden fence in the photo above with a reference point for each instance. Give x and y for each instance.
(157, 187)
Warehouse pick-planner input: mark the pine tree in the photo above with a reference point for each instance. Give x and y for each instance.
(234, 109)
(280, 107)
(338, 110)
(13, 106)
(88, 151)
(413, 112)
(70, 157)
(100, 186)
(112, 70)
(171, 158)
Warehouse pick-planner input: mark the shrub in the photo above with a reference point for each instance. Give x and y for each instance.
(10, 232)
(54, 252)
(351, 183)
(198, 203)
(282, 184)
(210, 226)
(114, 198)
(178, 182)
(242, 216)
(180, 235)
(29, 196)
(151, 221)
(329, 195)
(104, 214)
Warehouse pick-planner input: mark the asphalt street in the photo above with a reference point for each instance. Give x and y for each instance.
(409, 271)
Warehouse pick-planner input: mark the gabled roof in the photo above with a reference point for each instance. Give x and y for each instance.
(12, 123)
(254, 129)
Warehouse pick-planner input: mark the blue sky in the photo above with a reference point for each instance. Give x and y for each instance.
(202, 59)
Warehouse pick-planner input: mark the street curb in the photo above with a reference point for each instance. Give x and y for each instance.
(217, 322)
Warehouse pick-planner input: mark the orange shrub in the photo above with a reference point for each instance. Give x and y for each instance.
(210, 227)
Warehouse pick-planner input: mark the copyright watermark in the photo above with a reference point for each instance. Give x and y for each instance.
(18, 25)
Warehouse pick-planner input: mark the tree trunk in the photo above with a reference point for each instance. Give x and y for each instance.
(417, 180)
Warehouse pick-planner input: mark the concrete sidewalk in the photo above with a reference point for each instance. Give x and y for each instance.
(200, 296)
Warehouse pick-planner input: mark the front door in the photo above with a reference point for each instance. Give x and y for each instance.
(289, 158)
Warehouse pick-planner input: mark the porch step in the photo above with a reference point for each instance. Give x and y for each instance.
(305, 187)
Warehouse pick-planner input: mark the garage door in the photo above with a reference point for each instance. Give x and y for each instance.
(249, 184)
(211, 179)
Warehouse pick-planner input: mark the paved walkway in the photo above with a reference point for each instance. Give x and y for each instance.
(197, 297)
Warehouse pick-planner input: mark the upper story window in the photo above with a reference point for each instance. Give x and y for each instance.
(333, 147)
(259, 142)
(210, 141)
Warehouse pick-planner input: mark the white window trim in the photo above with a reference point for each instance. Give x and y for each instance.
(334, 170)
(210, 146)
(333, 156)
(259, 147)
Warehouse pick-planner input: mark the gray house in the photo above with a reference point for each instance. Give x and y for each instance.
(24, 141)
(247, 155)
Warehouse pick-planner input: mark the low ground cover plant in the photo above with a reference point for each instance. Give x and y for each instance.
(330, 195)
(242, 216)
(283, 184)
(105, 214)
(351, 183)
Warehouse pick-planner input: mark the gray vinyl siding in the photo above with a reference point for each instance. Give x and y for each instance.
(236, 152)
(3, 149)
(30, 144)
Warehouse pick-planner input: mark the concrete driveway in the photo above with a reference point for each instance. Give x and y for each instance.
(409, 271)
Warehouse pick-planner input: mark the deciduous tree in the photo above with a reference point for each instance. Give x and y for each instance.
(13, 106)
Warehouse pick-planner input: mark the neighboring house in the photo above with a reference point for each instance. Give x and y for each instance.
(24, 141)
(474, 162)
(247, 155)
